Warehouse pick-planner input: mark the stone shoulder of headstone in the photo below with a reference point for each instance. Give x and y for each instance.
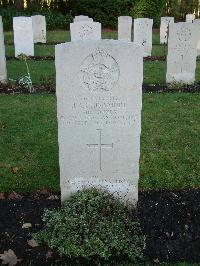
(39, 28)
(125, 18)
(99, 101)
(82, 18)
(166, 19)
(85, 30)
(23, 36)
(148, 20)
(3, 71)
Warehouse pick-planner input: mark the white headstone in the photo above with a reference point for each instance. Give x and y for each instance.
(39, 29)
(165, 21)
(82, 18)
(124, 28)
(143, 34)
(85, 30)
(190, 18)
(99, 100)
(23, 36)
(3, 72)
(197, 23)
(182, 52)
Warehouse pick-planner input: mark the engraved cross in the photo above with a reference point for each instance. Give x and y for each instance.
(100, 145)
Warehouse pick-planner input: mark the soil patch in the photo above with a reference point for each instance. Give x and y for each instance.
(34, 58)
(161, 58)
(52, 58)
(169, 219)
(48, 43)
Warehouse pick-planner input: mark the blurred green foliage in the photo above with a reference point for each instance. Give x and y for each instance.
(59, 13)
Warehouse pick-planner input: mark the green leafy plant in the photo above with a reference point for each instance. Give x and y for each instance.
(26, 80)
(91, 224)
(149, 9)
(54, 19)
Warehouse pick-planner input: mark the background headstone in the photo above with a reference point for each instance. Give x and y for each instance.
(99, 100)
(124, 28)
(3, 71)
(165, 21)
(182, 52)
(82, 18)
(23, 36)
(85, 30)
(197, 23)
(143, 34)
(190, 18)
(39, 29)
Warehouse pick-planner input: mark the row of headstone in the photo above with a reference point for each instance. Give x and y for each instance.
(27, 31)
(142, 32)
(99, 100)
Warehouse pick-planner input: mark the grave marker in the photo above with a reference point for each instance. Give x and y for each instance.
(39, 29)
(23, 36)
(85, 30)
(99, 100)
(182, 52)
(124, 28)
(3, 71)
(143, 34)
(190, 18)
(197, 23)
(165, 21)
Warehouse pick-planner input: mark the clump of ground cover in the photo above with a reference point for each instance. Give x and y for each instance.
(93, 224)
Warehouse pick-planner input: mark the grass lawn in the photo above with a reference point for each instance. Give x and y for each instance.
(169, 143)
(28, 128)
(40, 50)
(154, 72)
(64, 36)
(45, 50)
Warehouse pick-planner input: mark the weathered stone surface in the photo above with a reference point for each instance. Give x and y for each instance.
(197, 23)
(99, 100)
(190, 18)
(85, 30)
(124, 28)
(82, 18)
(3, 71)
(182, 52)
(23, 36)
(143, 34)
(39, 29)
(165, 21)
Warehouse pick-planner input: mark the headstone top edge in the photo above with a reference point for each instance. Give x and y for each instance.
(104, 41)
(85, 22)
(147, 19)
